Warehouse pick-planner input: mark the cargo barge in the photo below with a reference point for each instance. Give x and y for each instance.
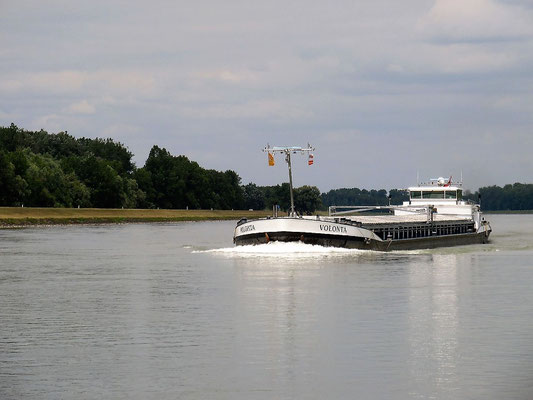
(434, 216)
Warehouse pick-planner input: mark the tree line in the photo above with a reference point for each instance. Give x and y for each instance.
(41, 169)
(515, 197)
(363, 197)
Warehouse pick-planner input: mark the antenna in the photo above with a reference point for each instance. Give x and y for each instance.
(287, 150)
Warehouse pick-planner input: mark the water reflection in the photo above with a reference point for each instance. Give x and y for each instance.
(274, 320)
(434, 325)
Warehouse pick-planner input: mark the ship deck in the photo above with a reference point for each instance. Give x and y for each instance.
(409, 226)
(402, 219)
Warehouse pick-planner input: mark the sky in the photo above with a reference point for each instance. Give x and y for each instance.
(383, 89)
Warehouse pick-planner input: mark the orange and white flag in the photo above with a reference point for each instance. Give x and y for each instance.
(270, 159)
(310, 160)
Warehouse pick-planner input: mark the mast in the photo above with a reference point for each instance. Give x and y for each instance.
(288, 159)
(287, 151)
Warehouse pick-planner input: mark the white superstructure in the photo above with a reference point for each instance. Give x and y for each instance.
(444, 196)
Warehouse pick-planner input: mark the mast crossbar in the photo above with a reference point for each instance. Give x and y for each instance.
(288, 150)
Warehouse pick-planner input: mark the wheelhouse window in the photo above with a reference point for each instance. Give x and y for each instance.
(433, 194)
(416, 194)
(459, 195)
(450, 194)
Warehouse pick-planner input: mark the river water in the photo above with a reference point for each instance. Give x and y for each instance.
(168, 311)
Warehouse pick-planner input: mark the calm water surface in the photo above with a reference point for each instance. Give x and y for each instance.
(168, 311)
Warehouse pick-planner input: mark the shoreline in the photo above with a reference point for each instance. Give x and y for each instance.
(19, 217)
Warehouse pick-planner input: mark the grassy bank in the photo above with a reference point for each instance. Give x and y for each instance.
(21, 216)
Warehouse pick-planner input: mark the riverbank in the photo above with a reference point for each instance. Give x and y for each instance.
(28, 216)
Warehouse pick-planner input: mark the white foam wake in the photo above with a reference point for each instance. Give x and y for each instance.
(283, 249)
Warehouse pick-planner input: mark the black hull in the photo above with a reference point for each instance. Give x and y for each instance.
(430, 242)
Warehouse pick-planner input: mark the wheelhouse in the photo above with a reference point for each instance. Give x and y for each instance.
(428, 193)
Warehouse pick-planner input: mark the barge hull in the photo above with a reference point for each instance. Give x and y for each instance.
(365, 244)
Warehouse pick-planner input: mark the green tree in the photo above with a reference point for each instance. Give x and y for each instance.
(176, 182)
(118, 156)
(143, 178)
(50, 186)
(518, 196)
(307, 199)
(398, 196)
(277, 195)
(104, 183)
(13, 188)
(254, 197)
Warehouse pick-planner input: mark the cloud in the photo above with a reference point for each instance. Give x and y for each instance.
(121, 130)
(81, 107)
(475, 21)
(52, 122)
(124, 81)
(227, 76)
(465, 58)
(266, 108)
(464, 38)
(118, 82)
(7, 117)
(57, 82)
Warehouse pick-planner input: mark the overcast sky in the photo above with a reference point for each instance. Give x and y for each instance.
(381, 88)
